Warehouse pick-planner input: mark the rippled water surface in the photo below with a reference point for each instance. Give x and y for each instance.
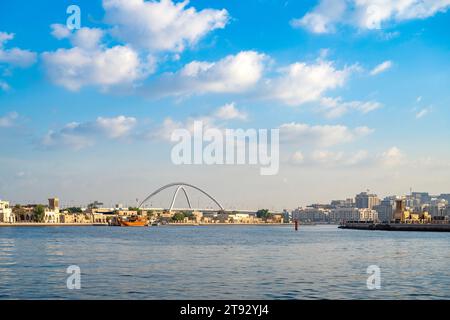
(222, 262)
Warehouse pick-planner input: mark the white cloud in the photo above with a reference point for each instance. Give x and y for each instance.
(81, 135)
(4, 86)
(87, 38)
(386, 65)
(367, 14)
(8, 120)
(161, 25)
(15, 56)
(60, 31)
(300, 82)
(323, 17)
(392, 157)
(330, 158)
(423, 112)
(335, 107)
(164, 131)
(325, 136)
(233, 74)
(325, 157)
(116, 127)
(230, 112)
(90, 63)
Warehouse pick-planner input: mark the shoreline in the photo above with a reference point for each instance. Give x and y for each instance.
(36, 224)
(430, 227)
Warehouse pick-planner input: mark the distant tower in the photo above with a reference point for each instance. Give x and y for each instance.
(53, 203)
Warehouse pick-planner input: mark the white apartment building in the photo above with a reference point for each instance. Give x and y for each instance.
(6, 214)
(310, 214)
(353, 214)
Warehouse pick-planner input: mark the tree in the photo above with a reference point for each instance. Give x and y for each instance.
(263, 214)
(178, 216)
(188, 214)
(74, 210)
(39, 213)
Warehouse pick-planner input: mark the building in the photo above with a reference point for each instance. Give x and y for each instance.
(403, 215)
(6, 213)
(75, 218)
(437, 207)
(53, 204)
(348, 203)
(287, 216)
(445, 196)
(385, 209)
(353, 214)
(52, 214)
(423, 197)
(311, 214)
(365, 200)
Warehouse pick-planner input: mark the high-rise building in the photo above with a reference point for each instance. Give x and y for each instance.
(385, 209)
(365, 200)
(423, 197)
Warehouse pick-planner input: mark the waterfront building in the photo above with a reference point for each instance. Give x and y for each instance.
(6, 213)
(365, 200)
(403, 215)
(75, 218)
(311, 214)
(52, 214)
(24, 213)
(353, 214)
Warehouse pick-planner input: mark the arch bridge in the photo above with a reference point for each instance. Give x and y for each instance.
(181, 186)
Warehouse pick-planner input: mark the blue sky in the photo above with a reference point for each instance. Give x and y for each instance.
(74, 126)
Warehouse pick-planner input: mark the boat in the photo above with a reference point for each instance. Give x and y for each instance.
(133, 222)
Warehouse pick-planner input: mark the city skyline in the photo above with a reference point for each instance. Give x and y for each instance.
(359, 97)
(363, 199)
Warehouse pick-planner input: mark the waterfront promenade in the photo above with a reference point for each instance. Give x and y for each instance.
(37, 224)
(427, 227)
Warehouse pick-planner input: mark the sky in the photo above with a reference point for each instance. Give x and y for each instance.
(357, 88)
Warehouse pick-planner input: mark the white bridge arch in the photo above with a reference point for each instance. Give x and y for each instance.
(180, 186)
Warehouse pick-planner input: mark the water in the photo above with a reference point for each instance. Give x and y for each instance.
(222, 262)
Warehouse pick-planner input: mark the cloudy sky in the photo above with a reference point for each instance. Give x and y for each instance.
(358, 89)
